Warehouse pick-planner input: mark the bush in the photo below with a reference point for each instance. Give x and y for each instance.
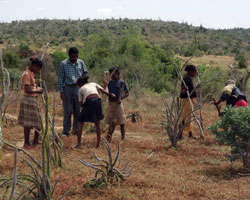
(233, 130)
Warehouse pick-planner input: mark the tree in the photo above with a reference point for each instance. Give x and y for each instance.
(233, 130)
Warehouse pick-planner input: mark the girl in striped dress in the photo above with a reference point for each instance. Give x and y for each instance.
(30, 112)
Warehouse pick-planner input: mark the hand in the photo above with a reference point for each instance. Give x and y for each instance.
(112, 96)
(62, 96)
(39, 90)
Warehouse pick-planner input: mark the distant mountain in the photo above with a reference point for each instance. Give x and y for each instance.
(178, 37)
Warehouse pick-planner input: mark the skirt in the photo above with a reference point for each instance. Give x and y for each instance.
(115, 114)
(30, 113)
(91, 111)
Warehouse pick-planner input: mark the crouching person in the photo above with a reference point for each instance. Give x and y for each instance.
(91, 104)
(232, 95)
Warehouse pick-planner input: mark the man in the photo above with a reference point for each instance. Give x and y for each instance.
(69, 71)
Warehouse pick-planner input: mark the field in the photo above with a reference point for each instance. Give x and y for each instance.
(196, 169)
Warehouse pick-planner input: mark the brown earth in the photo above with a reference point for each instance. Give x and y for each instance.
(196, 169)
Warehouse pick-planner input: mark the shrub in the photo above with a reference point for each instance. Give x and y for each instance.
(233, 130)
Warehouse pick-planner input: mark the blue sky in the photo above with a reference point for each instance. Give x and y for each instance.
(209, 13)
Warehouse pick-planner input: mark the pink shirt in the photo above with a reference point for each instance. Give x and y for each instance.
(28, 78)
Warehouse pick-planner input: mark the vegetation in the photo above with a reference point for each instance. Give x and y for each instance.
(233, 130)
(106, 171)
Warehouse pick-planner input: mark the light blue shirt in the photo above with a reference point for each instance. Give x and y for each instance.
(69, 73)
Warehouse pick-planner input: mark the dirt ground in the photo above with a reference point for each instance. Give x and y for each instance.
(196, 169)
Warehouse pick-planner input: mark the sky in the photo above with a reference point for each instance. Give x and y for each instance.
(208, 13)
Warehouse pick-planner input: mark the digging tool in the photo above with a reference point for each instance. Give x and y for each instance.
(217, 107)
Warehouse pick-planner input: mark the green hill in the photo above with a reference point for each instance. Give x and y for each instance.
(178, 37)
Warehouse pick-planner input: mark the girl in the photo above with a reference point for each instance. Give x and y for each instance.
(115, 111)
(92, 107)
(188, 86)
(30, 113)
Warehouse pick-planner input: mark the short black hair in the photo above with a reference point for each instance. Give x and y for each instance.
(189, 68)
(73, 50)
(36, 61)
(114, 69)
(82, 80)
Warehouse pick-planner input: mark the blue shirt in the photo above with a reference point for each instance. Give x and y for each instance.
(69, 73)
(119, 88)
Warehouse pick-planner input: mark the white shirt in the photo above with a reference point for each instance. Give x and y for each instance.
(88, 89)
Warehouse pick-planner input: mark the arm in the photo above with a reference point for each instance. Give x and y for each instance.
(84, 69)
(80, 102)
(125, 87)
(29, 90)
(61, 79)
(126, 95)
(111, 95)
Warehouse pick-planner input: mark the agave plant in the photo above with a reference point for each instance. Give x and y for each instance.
(106, 170)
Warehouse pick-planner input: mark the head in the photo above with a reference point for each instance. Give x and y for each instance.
(35, 64)
(82, 81)
(230, 82)
(73, 54)
(114, 73)
(191, 70)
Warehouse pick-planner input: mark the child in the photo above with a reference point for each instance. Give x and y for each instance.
(187, 86)
(115, 112)
(30, 113)
(232, 95)
(92, 107)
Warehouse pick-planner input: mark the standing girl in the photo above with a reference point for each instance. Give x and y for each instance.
(30, 113)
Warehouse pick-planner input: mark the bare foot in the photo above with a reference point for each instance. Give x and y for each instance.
(78, 146)
(98, 146)
(122, 141)
(109, 138)
(27, 146)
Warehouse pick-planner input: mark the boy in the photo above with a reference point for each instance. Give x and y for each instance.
(115, 112)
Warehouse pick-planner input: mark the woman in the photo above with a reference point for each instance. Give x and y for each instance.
(30, 113)
(91, 107)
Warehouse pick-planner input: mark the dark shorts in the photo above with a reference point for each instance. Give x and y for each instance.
(91, 111)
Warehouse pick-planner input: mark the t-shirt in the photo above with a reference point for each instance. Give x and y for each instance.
(189, 83)
(88, 89)
(119, 88)
(28, 78)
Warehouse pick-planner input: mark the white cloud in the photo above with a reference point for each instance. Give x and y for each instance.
(111, 12)
(40, 9)
(119, 10)
(105, 11)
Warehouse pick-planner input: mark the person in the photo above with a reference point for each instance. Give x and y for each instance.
(232, 95)
(69, 71)
(188, 90)
(91, 103)
(115, 112)
(30, 112)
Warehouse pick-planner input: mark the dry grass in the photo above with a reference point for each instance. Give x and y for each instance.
(194, 170)
(212, 60)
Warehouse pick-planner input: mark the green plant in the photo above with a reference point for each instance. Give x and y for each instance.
(38, 183)
(25, 185)
(135, 116)
(106, 172)
(233, 130)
